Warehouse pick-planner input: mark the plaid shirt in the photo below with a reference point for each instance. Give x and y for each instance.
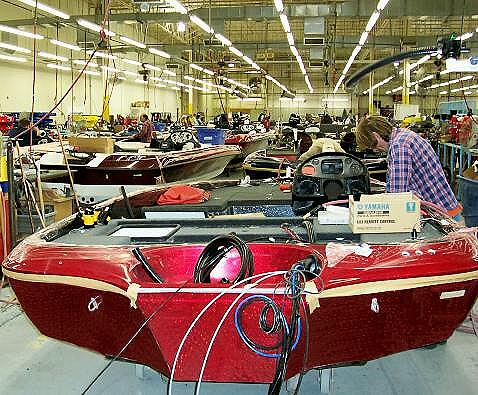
(414, 166)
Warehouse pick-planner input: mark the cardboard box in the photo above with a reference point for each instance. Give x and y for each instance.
(385, 213)
(104, 145)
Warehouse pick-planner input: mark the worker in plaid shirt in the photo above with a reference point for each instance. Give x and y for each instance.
(412, 163)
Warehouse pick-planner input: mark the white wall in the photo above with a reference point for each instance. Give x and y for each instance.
(16, 92)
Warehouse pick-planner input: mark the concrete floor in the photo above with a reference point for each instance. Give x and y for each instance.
(30, 363)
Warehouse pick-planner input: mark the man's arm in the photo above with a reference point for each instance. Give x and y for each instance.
(399, 168)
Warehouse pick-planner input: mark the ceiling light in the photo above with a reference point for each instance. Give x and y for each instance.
(99, 54)
(290, 39)
(355, 52)
(14, 48)
(294, 51)
(382, 4)
(223, 40)
(66, 45)
(207, 71)
(178, 6)
(58, 67)
(388, 92)
(158, 52)
(128, 40)
(151, 67)
(236, 52)
(200, 23)
(363, 38)
(84, 62)
(397, 89)
(181, 28)
(468, 92)
(372, 21)
(160, 86)
(423, 59)
(231, 65)
(12, 58)
(169, 72)
(133, 62)
(174, 88)
(111, 69)
(52, 56)
(46, 8)
(285, 23)
(443, 92)
(256, 66)
(248, 59)
(279, 6)
(93, 26)
(335, 99)
(19, 32)
(189, 78)
(195, 66)
(412, 92)
(92, 72)
(466, 78)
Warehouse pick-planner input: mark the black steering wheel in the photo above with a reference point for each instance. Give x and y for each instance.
(326, 177)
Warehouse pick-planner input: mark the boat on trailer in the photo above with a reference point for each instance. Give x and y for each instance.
(203, 295)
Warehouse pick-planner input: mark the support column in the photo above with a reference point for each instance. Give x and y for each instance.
(406, 83)
(370, 94)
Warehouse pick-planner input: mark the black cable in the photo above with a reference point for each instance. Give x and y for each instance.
(138, 254)
(215, 250)
(133, 337)
(358, 75)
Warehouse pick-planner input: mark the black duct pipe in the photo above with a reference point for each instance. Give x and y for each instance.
(358, 75)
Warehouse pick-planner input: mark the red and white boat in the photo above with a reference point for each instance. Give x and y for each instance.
(131, 288)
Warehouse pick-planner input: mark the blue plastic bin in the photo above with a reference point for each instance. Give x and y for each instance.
(211, 136)
(158, 126)
(468, 195)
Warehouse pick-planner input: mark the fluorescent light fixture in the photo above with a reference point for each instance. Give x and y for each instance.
(169, 72)
(46, 8)
(180, 27)
(397, 89)
(428, 77)
(103, 55)
(133, 62)
(66, 45)
(207, 71)
(12, 58)
(91, 72)
(444, 93)
(279, 6)
(139, 81)
(19, 32)
(93, 26)
(189, 78)
(290, 39)
(294, 51)
(84, 62)
(285, 23)
(388, 92)
(423, 59)
(382, 4)
(47, 55)
(174, 88)
(223, 40)
(14, 48)
(466, 78)
(130, 41)
(465, 36)
(468, 92)
(372, 21)
(251, 99)
(355, 52)
(195, 66)
(178, 6)
(158, 52)
(412, 92)
(58, 67)
(302, 68)
(248, 59)
(255, 66)
(151, 67)
(363, 38)
(201, 24)
(160, 86)
(236, 52)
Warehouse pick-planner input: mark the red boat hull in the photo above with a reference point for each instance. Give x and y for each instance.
(368, 308)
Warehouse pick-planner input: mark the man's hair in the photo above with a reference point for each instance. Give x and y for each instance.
(374, 123)
(144, 116)
(24, 123)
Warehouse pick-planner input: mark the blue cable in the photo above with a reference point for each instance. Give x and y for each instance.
(284, 323)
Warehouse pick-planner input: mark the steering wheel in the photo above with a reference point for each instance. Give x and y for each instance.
(326, 177)
(217, 249)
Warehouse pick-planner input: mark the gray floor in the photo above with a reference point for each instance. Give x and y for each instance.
(33, 364)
